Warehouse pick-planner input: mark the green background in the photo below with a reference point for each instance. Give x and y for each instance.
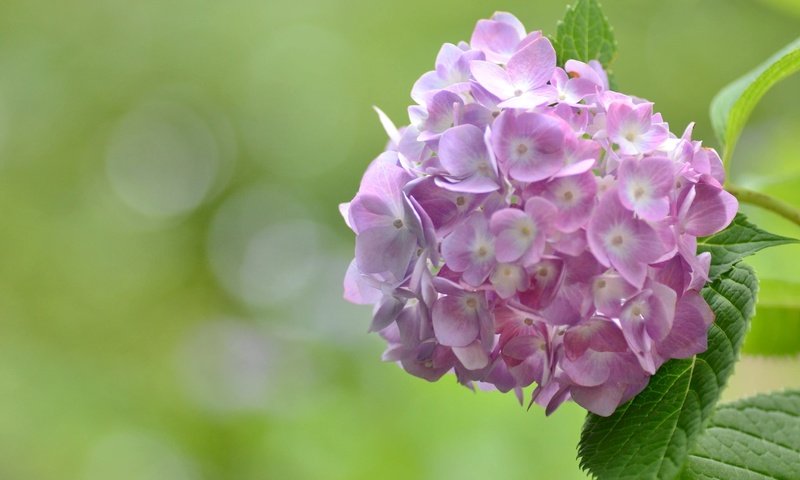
(172, 254)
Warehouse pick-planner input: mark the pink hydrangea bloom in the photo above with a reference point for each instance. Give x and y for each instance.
(532, 228)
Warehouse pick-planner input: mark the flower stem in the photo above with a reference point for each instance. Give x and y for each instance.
(766, 202)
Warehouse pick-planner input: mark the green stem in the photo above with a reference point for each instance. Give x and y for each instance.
(766, 202)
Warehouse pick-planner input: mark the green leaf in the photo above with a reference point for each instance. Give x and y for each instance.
(651, 436)
(775, 327)
(740, 239)
(732, 106)
(585, 34)
(754, 438)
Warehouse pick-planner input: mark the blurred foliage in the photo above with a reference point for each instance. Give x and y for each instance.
(170, 284)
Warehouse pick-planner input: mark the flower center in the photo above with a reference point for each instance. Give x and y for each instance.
(638, 193)
(472, 302)
(528, 321)
(543, 271)
(522, 149)
(460, 201)
(617, 240)
(398, 224)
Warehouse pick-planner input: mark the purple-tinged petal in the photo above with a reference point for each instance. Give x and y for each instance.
(514, 232)
(570, 243)
(386, 312)
(530, 99)
(569, 306)
(522, 233)
(610, 292)
(675, 273)
(455, 319)
(470, 249)
(493, 78)
(344, 211)
(573, 197)
(590, 369)
(388, 125)
(529, 146)
(473, 356)
(508, 279)
(513, 21)
(588, 72)
(463, 152)
(357, 290)
(385, 249)
(532, 66)
(618, 239)
(370, 211)
(475, 184)
(710, 209)
(648, 318)
(447, 59)
(431, 362)
(497, 39)
(580, 155)
(426, 86)
(550, 395)
(644, 186)
(598, 334)
(630, 126)
(441, 115)
(546, 279)
(384, 178)
(601, 400)
(443, 207)
(689, 331)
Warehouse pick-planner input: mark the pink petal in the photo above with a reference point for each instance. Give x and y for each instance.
(493, 78)
(532, 66)
(454, 323)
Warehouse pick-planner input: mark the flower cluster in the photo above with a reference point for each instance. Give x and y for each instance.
(531, 225)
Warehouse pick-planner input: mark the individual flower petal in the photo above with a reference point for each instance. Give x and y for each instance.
(499, 37)
(621, 241)
(646, 319)
(385, 249)
(465, 156)
(532, 66)
(529, 146)
(610, 292)
(631, 127)
(574, 198)
(455, 320)
(689, 332)
(644, 186)
(470, 249)
(547, 276)
(442, 111)
(707, 209)
(522, 233)
(508, 279)
(473, 356)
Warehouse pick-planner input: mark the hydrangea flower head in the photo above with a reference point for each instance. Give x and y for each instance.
(530, 227)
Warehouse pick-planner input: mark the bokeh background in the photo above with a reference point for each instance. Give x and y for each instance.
(172, 254)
